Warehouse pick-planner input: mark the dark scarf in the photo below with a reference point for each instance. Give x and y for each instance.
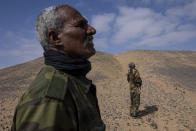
(66, 63)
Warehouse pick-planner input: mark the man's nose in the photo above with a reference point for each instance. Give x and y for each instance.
(91, 30)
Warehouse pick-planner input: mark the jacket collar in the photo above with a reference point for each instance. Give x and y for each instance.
(84, 83)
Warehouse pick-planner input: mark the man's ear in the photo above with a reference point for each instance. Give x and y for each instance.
(53, 38)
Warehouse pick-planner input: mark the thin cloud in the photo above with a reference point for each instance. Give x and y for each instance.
(187, 11)
(170, 2)
(159, 4)
(101, 44)
(187, 27)
(139, 23)
(140, 27)
(21, 49)
(102, 22)
(168, 39)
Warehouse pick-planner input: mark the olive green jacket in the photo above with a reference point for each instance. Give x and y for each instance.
(57, 101)
(133, 77)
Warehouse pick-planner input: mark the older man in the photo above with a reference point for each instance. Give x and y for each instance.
(61, 98)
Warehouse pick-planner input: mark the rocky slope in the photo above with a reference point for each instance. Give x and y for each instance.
(168, 99)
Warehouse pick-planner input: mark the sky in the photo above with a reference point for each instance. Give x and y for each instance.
(121, 25)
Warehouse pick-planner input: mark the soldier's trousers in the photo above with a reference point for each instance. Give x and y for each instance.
(135, 102)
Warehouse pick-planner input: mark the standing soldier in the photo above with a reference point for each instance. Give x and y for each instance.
(135, 83)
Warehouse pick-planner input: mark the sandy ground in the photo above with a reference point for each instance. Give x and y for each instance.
(168, 99)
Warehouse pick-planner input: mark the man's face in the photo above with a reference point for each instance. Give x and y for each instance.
(76, 37)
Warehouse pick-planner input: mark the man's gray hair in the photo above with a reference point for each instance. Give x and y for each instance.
(48, 19)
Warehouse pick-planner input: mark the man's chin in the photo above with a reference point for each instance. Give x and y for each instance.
(91, 48)
(90, 53)
(94, 51)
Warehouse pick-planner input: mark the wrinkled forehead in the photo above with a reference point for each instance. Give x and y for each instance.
(71, 14)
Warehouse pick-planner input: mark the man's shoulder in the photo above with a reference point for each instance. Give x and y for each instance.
(49, 82)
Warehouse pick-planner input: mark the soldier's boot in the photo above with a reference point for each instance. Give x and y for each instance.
(133, 112)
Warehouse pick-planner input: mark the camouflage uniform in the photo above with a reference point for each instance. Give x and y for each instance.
(57, 101)
(135, 83)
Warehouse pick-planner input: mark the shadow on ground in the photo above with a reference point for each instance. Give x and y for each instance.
(148, 110)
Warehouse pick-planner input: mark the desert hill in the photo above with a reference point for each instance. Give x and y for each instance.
(168, 99)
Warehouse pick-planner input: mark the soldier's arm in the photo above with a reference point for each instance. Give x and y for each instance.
(138, 80)
(128, 77)
(46, 114)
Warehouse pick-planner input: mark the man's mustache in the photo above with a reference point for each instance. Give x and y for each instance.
(88, 40)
